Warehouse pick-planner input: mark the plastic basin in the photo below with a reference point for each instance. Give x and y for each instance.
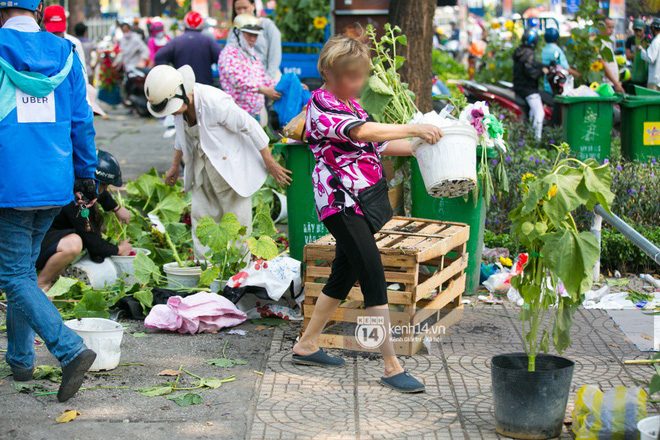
(101, 335)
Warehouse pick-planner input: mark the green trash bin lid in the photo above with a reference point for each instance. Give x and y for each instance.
(643, 91)
(580, 99)
(631, 101)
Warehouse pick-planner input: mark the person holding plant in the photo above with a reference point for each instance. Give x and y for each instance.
(268, 47)
(347, 147)
(241, 73)
(70, 233)
(224, 148)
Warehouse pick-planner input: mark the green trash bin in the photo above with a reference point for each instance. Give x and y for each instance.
(640, 125)
(453, 210)
(587, 125)
(304, 224)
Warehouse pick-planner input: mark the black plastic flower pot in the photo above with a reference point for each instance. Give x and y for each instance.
(530, 404)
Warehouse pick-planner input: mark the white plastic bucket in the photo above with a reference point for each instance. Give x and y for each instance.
(449, 168)
(218, 286)
(124, 265)
(97, 275)
(648, 428)
(182, 276)
(101, 335)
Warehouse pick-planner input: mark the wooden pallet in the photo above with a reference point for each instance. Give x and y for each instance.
(427, 300)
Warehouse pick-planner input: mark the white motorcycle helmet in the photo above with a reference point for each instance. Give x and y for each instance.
(248, 23)
(167, 89)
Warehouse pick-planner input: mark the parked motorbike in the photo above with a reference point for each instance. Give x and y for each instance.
(503, 96)
(133, 90)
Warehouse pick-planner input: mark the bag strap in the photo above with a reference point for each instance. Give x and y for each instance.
(341, 184)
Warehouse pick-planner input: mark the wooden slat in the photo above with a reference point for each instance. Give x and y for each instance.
(442, 248)
(345, 314)
(425, 288)
(454, 290)
(313, 290)
(390, 276)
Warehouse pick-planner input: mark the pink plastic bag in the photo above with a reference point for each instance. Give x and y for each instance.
(201, 312)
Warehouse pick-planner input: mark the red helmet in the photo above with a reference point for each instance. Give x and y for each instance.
(194, 20)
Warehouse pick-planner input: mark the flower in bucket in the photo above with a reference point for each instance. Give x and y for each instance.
(320, 22)
(490, 134)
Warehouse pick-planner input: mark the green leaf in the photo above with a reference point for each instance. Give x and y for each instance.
(569, 195)
(374, 103)
(225, 363)
(61, 287)
(145, 185)
(185, 399)
(402, 40)
(561, 333)
(537, 190)
(146, 299)
(144, 268)
(139, 335)
(654, 386)
(170, 208)
(262, 223)
(598, 180)
(92, 305)
(265, 247)
(379, 86)
(571, 257)
(158, 390)
(209, 275)
(213, 383)
(29, 388)
(217, 236)
(48, 372)
(398, 61)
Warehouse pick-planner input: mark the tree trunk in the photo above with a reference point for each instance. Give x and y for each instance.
(93, 8)
(145, 8)
(415, 18)
(76, 14)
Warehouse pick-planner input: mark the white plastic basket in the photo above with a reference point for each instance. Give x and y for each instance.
(97, 275)
(103, 336)
(124, 265)
(449, 168)
(649, 428)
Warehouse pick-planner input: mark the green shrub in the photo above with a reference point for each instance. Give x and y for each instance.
(493, 240)
(619, 253)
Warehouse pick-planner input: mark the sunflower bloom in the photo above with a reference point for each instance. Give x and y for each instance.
(320, 22)
(552, 192)
(596, 66)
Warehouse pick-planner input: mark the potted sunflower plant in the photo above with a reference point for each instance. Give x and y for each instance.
(530, 390)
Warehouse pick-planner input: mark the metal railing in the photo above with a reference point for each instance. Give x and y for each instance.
(626, 230)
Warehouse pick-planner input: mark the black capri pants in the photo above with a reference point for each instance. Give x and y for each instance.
(356, 259)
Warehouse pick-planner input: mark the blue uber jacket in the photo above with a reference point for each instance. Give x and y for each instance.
(45, 141)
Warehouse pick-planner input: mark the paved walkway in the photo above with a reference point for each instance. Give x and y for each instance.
(347, 403)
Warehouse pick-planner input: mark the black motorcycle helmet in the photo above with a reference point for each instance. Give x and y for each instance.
(530, 37)
(108, 171)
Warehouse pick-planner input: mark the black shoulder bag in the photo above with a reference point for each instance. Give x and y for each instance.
(373, 201)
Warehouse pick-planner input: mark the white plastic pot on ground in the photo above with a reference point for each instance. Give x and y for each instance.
(103, 336)
(124, 265)
(178, 276)
(97, 275)
(218, 286)
(649, 427)
(449, 168)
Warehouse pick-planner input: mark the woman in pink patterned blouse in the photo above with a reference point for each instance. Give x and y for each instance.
(241, 73)
(344, 140)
